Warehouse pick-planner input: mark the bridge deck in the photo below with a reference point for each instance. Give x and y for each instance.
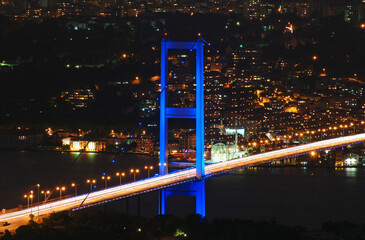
(164, 181)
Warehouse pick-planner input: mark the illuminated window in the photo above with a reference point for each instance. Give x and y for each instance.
(91, 146)
(75, 146)
(22, 137)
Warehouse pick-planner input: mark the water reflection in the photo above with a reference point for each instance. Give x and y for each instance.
(350, 172)
(91, 156)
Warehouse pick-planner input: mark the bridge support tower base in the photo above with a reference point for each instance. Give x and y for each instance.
(195, 189)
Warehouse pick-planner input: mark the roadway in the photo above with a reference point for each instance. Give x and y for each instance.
(164, 181)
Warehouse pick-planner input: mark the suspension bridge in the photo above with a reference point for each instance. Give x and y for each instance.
(175, 183)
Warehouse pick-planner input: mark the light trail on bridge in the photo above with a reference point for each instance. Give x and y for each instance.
(171, 179)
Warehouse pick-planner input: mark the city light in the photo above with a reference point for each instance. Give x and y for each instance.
(45, 192)
(61, 189)
(106, 179)
(134, 172)
(120, 175)
(148, 168)
(74, 185)
(91, 182)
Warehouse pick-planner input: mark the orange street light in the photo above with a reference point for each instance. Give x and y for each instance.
(30, 196)
(106, 179)
(134, 171)
(120, 175)
(353, 125)
(38, 186)
(60, 189)
(45, 194)
(148, 168)
(74, 185)
(91, 182)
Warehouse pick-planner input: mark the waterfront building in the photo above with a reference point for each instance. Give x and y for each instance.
(145, 144)
(77, 144)
(339, 158)
(223, 151)
(350, 159)
(19, 140)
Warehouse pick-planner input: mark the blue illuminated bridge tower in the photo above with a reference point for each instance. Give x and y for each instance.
(197, 188)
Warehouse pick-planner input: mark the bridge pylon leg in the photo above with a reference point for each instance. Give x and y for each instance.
(162, 202)
(200, 198)
(195, 189)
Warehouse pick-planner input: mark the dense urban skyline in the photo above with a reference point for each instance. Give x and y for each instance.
(282, 73)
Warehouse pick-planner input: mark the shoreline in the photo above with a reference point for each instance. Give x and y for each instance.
(176, 163)
(70, 151)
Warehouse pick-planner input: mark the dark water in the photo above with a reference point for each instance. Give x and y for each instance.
(22, 171)
(294, 196)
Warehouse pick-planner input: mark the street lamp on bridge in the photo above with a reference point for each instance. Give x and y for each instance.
(106, 179)
(75, 185)
(45, 194)
(91, 182)
(134, 171)
(61, 189)
(164, 166)
(29, 196)
(353, 125)
(148, 168)
(38, 186)
(120, 175)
